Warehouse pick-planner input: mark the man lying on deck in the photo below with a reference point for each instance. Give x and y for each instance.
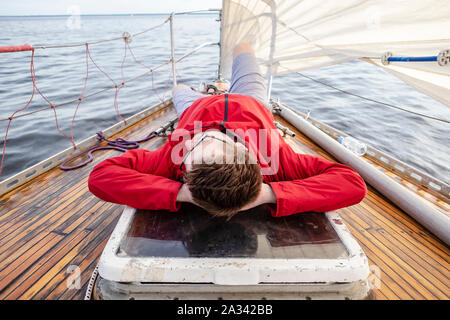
(226, 156)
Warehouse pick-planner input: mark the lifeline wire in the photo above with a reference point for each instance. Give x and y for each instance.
(79, 99)
(372, 100)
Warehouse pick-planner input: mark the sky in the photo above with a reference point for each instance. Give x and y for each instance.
(60, 7)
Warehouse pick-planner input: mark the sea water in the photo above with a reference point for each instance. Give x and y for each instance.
(60, 75)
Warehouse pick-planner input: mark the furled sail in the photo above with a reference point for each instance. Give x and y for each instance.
(296, 35)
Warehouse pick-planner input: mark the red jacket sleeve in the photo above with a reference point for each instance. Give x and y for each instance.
(314, 184)
(138, 178)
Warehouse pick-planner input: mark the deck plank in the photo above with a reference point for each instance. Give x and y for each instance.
(51, 257)
(402, 241)
(413, 279)
(53, 222)
(404, 224)
(56, 276)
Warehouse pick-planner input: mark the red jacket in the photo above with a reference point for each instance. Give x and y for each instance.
(149, 179)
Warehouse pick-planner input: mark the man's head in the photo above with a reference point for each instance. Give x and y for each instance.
(220, 173)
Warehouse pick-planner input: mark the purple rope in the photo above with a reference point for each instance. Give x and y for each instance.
(119, 144)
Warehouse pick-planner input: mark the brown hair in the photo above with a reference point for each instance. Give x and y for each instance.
(223, 189)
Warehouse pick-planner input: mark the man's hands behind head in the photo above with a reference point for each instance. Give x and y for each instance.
(184, 194)
(266, 195)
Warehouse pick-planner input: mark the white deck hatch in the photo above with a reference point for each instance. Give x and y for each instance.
(250, 249)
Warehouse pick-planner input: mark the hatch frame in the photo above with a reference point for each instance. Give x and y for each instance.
(232, 271)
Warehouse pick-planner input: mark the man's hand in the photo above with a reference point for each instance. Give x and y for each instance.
(184, 194)
(266, 195)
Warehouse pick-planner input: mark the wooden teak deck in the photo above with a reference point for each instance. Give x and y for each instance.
(52, 228)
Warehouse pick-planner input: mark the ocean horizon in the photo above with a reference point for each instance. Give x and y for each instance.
(104, 14)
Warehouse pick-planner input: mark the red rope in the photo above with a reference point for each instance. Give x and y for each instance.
(123, 61)
(80, 99)
(169, 80)
(54, 111)
(116, 105)
(167, 86)
(136, 60)
(35, 88)
(25, 47)
(33, 80)
(152, 72)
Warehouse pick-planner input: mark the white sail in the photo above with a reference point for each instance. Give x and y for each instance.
(296, 35)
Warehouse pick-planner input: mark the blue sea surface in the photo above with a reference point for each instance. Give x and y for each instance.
(60, 74)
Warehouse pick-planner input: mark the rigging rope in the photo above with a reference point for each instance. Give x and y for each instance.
(81, 97)
(372, 100)
(35, 89)
(92, 94)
